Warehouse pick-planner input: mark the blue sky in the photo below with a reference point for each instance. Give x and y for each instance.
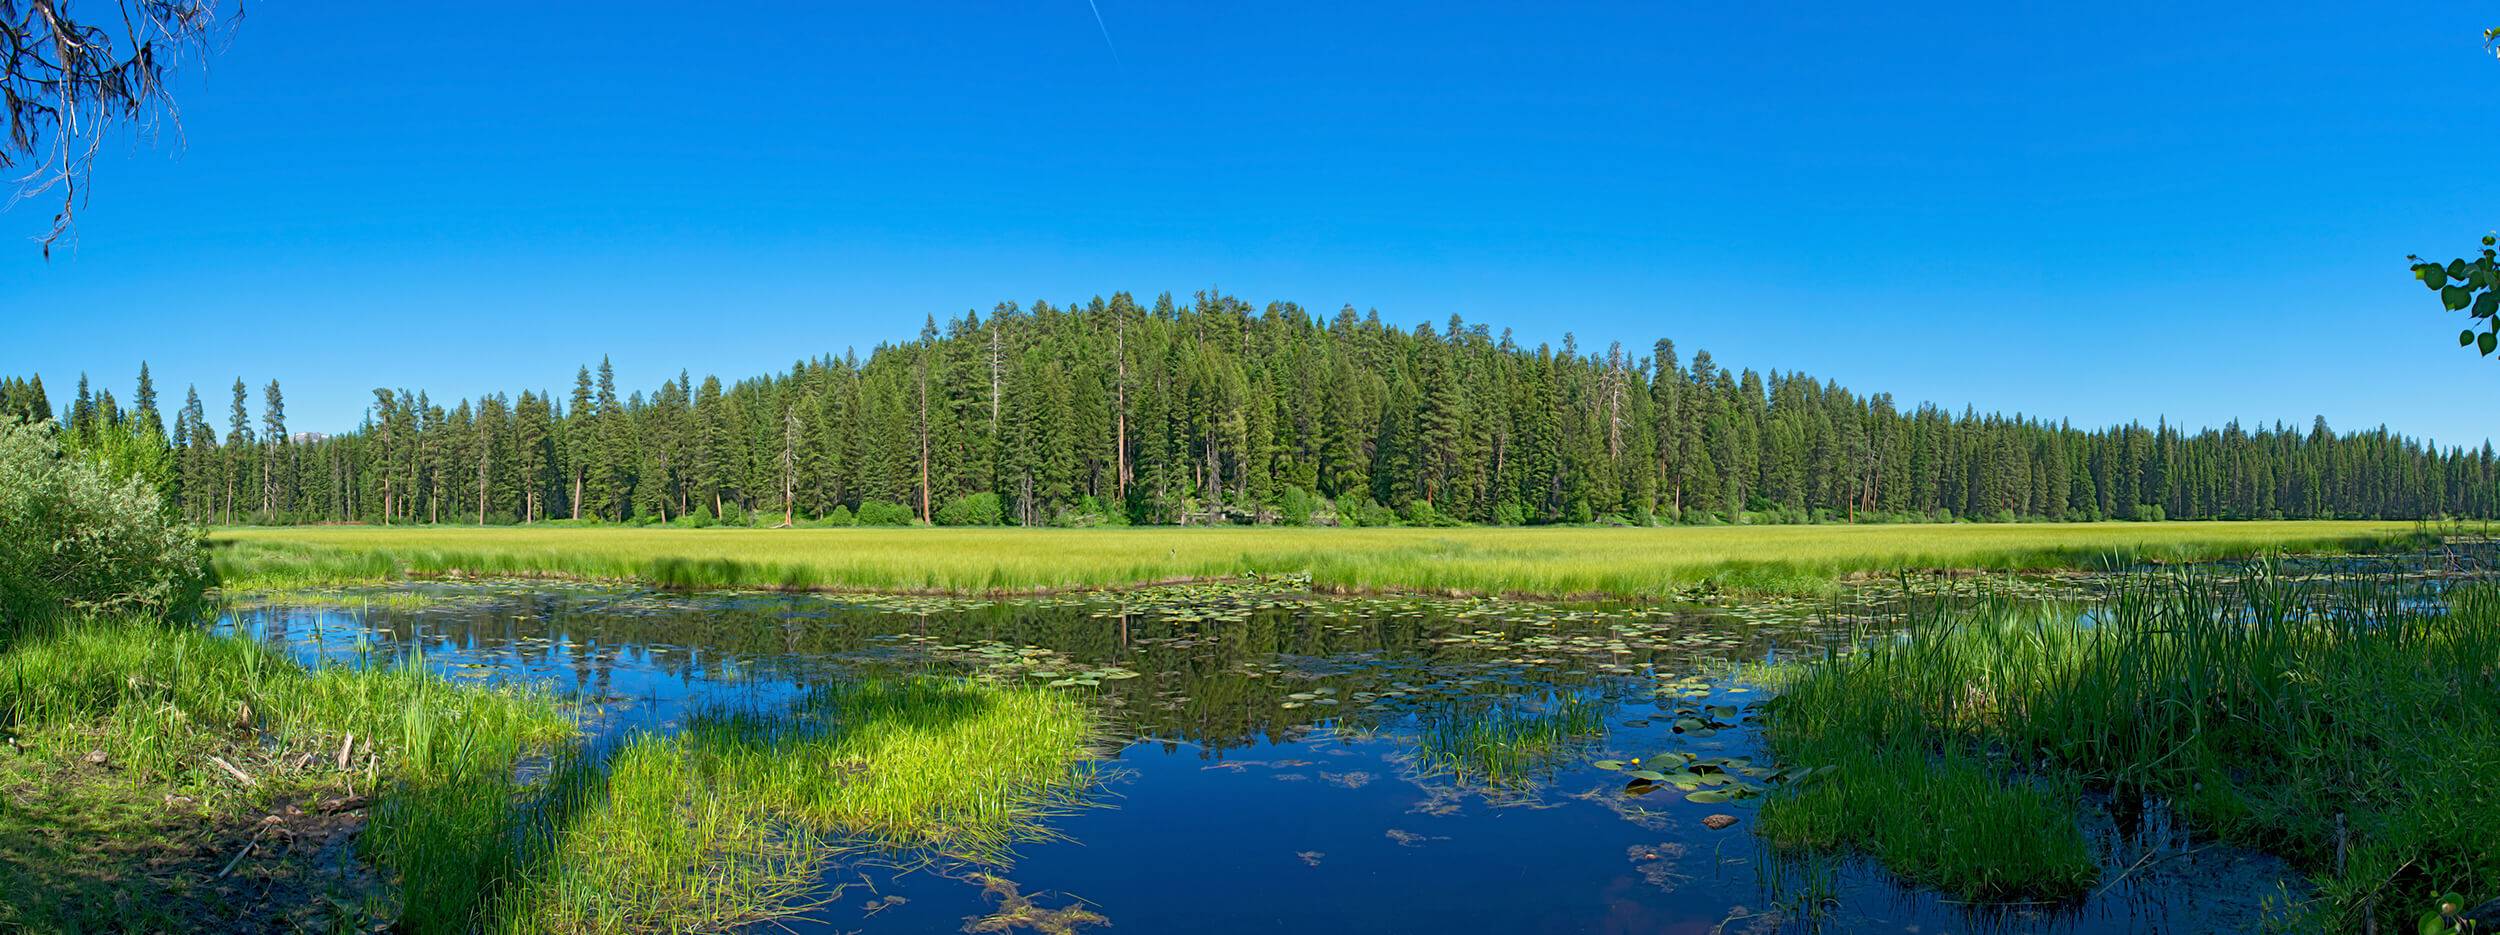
(2145, 210)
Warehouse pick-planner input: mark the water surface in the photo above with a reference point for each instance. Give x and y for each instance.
(1283, 762)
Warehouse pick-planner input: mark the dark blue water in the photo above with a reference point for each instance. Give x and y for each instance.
(1270, 769)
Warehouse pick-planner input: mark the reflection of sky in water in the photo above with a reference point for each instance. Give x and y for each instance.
(1247, 803)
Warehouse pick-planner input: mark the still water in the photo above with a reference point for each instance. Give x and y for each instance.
(1283, 762)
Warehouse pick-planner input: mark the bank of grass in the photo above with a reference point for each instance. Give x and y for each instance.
(162, 779)
(1552, 561)
(2349, 725)
(158, 778)
(730, 820)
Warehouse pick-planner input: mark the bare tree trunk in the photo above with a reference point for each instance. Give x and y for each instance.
(1119, 410)
(925, 516)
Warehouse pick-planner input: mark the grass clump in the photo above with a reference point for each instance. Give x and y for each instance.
(730, 820)
(2348, 724)
(1943, 818)
(1508, 743)
(1546, 561)
(159, 778)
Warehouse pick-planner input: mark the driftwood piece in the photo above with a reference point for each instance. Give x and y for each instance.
(239, 775)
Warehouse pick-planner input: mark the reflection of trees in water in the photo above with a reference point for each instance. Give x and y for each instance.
(1223, 682)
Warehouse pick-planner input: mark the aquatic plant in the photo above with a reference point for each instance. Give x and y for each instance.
(1507, 742)
(2347, 722)
(731, 819)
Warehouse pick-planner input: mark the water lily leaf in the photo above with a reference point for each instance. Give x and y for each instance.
(1709, 796)
(1608, 764)
(1648, 774)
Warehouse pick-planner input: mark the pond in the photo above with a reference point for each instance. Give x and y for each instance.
(1281, 761)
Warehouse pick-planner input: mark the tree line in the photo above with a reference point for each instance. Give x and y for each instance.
(1213, 411)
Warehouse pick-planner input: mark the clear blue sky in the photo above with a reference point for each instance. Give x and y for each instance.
(2110, 212)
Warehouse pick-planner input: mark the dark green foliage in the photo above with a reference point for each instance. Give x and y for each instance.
(1214, 412)
(2472, 287)
(980, 509)
(884, 513)
(1295, 507)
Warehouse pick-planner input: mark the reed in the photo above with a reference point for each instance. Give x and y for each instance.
(126, 734)
(731, 820)
(2347, 723)
(1509, 742)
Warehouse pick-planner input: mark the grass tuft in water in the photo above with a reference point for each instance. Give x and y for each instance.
(2348, 723)
(1508, 743)
(730, 820)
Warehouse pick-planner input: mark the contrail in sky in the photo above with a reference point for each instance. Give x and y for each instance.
(1106, 34)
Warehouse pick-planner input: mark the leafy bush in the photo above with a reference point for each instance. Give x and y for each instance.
(838, 516)
(1353, 510)
(76, 540)
(883, 513)
(1510, 513)
(1421, 513)
(1296, 506)
(980, 509)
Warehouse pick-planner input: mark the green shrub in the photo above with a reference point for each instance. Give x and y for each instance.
(980, 509)
(70, 538)
(1421, 513)
(1510, 513)
(1356, 510)
(1296, 506)
(883, 513)
(839, 516)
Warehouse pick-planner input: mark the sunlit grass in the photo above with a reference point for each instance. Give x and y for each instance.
(1554, 561)
(122, 733)
(731, 820)
(2351, 725)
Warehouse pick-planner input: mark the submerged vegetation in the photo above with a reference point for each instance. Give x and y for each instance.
(1649, 563)
(2348, 723)
(1509, 742)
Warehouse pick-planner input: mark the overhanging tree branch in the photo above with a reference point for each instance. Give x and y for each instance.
(67, 83)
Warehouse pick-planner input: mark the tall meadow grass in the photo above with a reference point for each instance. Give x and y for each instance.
(1551, 561)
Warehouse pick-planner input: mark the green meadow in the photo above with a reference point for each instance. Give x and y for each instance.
(1551, 561)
